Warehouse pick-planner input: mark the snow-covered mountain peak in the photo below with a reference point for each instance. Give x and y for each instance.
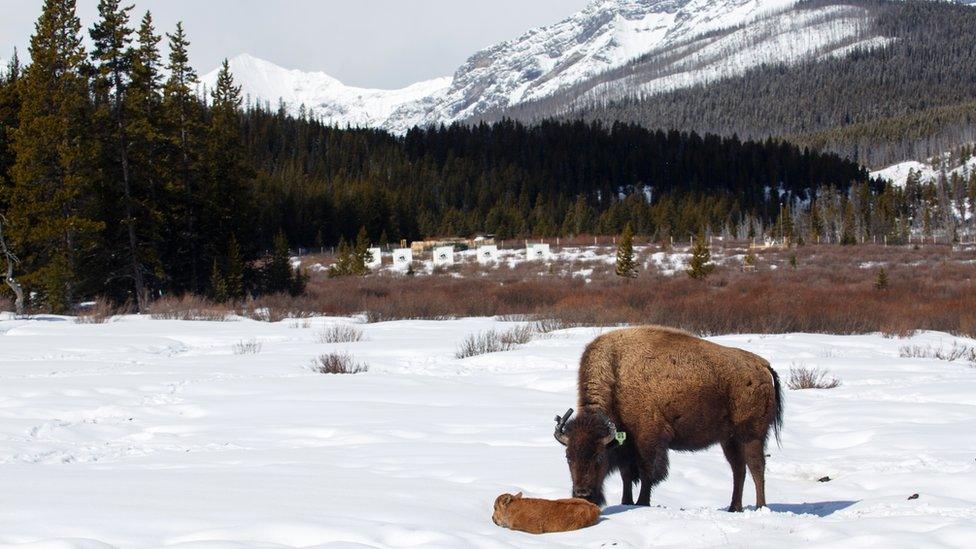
(603, 36)
(323, 95)
(557, 59)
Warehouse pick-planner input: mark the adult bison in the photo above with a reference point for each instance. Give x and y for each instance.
(644, 391)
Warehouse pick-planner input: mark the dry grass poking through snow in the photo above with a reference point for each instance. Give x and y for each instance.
(341, 333)
(956, 352)
(247, 347)
(811, 378)
(494, 341)
(188, 307)
(99, 312)
(338, 363)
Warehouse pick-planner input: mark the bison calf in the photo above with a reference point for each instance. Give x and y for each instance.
(543, 516)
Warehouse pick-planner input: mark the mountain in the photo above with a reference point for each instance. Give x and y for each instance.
(879, 81)
(545, 61)
(902, 88)
(323, 95)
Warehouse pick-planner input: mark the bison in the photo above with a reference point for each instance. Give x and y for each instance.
(646, 390)
(543, 516)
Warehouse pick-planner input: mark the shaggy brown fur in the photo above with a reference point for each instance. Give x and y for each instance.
(543, 516)
(668, 389)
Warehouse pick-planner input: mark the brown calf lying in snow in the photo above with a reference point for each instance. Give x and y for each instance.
(542, 516)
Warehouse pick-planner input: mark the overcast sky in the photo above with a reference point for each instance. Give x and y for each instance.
(373, 43)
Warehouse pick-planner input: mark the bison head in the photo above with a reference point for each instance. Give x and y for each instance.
(589, 440)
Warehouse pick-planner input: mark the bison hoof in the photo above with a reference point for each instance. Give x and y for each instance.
(735, 508)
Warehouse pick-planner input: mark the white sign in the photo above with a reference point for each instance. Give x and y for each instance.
(402, 258)
(537, 252)
(375, 258)
(487, 254)
(444, 256)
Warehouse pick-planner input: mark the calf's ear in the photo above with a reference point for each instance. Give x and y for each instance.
(517, 496)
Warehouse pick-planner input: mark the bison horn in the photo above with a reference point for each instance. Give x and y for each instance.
(560, 432)
(609, 439)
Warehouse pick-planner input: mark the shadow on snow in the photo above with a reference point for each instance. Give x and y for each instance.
(820, 508)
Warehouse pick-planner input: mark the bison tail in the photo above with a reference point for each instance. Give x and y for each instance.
(778, 415)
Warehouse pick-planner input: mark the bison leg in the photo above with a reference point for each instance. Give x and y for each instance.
(755, 454)
(627, 475)
(735, 454)
(653, 469)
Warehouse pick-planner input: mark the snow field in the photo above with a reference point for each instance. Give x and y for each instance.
(154, 433)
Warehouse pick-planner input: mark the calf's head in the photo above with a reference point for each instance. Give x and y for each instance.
(588, 440)
(501, 514)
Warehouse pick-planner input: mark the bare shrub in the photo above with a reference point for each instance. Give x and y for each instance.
(493, 341)
(189, 307)
(951, 354)
(247, 347)
(811, 378)
(341, 333)
(549, 325)
(99, 311)
(338, 363)
(520, 335)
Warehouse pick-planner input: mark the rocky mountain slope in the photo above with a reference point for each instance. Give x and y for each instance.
(557, 59)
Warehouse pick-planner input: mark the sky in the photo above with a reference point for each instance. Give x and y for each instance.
(368, 43)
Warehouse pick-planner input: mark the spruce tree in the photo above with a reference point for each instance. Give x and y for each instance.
(114, 58)
(700, 265)
(881, 280)
(52, 226)
(218, 285)
(279, 276)
(9, 116)
(626, 265)
(361, 254)
(147, 152)
(342, 266)
(226, 195)
(181, 132)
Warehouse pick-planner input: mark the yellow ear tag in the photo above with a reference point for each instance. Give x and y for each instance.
(621, 437)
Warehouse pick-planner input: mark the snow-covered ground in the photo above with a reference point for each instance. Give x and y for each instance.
(154, 433)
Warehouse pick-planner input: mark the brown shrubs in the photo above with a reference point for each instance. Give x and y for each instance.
(811, 378)
(338, 363)
(831, 291)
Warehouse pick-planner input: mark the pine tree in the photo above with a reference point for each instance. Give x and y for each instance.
(343, 260)
(881, 280)
(700, 265)
(147, 151)
(218, 285)
(114, 58)
(52, 227)
(626, 265)
(361, 253)
(351, 260)
(181, 124)
(279, 276)
(225, 196)
(9, 120)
